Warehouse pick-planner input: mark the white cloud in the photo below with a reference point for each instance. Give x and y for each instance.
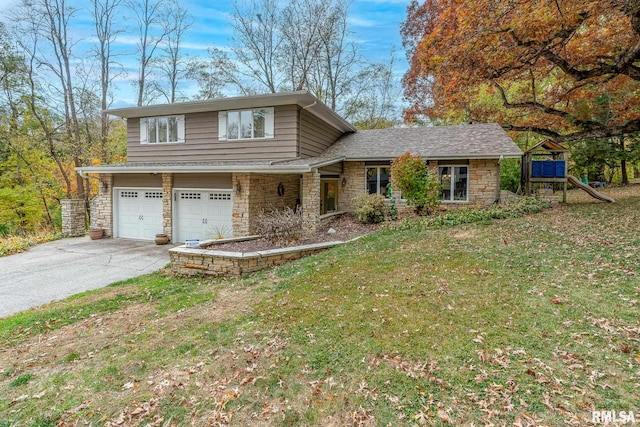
(357, 21)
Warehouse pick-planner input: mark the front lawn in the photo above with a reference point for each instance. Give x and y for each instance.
(529, 320)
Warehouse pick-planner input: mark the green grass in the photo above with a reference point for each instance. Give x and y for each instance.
(22, 379)
(530, 320)
(164, 292)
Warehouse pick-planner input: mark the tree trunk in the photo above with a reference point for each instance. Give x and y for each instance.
(623, 162)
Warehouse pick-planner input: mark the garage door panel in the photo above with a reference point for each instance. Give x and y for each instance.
(139, 213)
(203, 215)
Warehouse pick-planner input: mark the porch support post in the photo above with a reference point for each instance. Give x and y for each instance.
(167, 205)
(311, 199)
(101, 206)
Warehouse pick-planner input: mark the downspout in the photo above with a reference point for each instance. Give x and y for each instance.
(497, 200)
(310, 105)
(83, 176)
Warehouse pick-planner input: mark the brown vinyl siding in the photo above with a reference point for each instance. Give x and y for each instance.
(315, 136)
(137, 180)
(208, 180)
(202, 144)
(336, 168)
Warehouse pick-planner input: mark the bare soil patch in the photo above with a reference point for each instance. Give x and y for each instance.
(345, 227)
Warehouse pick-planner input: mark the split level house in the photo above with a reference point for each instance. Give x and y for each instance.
(207, 169)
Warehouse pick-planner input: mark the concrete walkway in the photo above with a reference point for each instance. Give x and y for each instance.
(56, 270)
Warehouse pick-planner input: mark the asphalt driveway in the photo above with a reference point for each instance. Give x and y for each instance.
(56, 270)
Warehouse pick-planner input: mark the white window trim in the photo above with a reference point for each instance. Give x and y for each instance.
(144, 133)
(453, 182)
(269, 129)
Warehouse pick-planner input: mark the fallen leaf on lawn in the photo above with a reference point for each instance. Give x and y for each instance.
(20, 398)
(444, 416)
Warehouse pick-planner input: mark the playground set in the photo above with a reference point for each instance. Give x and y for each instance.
(546, 163)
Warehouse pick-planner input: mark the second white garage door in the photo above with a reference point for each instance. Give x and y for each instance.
(203, 214)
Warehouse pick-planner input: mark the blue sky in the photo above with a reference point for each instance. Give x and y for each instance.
(375, 24)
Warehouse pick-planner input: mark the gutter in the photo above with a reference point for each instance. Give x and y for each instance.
(326, 162)
(456, 157)
(194, 169)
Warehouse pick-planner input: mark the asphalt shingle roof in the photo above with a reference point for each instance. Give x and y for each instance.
(431, 142)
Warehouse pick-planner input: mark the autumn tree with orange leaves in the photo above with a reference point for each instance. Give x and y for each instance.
(565, 69)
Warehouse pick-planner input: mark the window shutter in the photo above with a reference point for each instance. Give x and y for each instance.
(268, 123)
(222, 125)
(144, 135)
(181, 134)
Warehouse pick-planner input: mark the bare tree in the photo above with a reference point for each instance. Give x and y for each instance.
(338, 58)
(214, 74)
(304, 45)
(302, 24)
(149, 15)
(258, 41)
(36, 95)
(104, 15)
(371, 103)
(173, 65)
(49, 21)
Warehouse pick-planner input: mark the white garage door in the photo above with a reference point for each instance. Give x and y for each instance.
(139, 213)
(203, 214)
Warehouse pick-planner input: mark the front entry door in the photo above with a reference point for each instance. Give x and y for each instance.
(328, 196)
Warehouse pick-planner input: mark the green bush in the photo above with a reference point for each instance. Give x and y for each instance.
(419, 188)
(467, 215)
(371, 208)
(510, 171)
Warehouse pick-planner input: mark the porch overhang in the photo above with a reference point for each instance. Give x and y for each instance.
(295, 166)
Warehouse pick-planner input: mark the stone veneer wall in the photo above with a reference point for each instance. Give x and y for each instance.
(218, 263)
(259, 192)
(167, 205)
(311, 199)
(483, 181)
(73, 217)
(354, 173)
(102, 206)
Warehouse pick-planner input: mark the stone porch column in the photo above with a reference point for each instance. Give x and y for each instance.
(167, 205)
(241, 184)
(73, 217)
(102, 205)
(311, 199)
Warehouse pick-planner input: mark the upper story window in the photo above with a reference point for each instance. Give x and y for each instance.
(161, 130)
(245, 124)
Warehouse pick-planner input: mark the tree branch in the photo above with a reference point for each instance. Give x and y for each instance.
(533, 104)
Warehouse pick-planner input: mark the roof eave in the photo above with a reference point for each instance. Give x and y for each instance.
(281, 169)
(447, 157)
(303, 99)
(325, 163)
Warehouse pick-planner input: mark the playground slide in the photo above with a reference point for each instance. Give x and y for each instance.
(592, 192)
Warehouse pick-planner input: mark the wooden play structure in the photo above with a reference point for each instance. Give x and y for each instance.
(546, 163)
